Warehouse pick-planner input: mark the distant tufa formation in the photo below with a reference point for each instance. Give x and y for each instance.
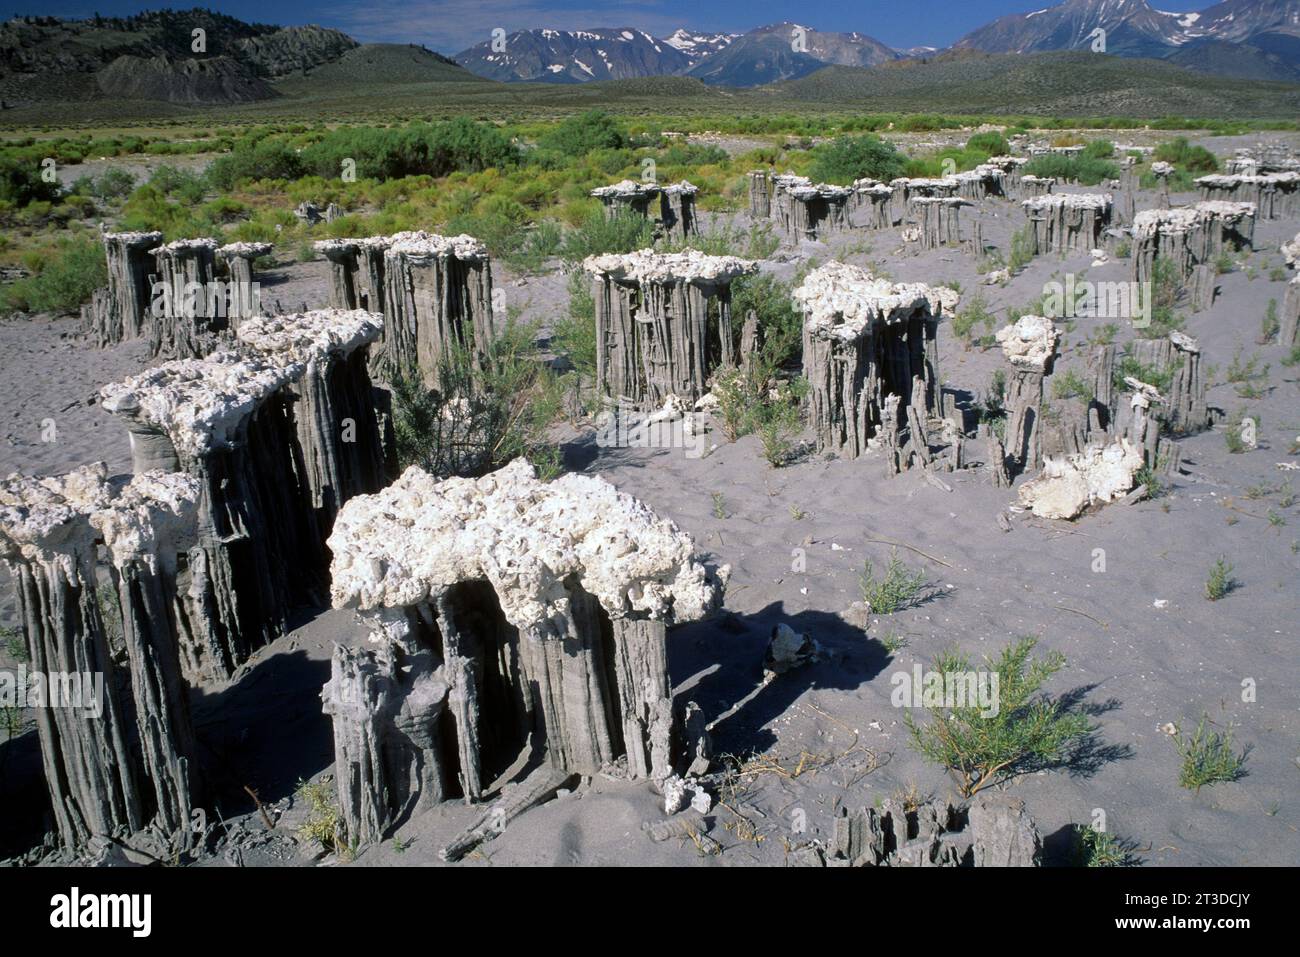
(434, 293)
(1191, 238)
(671, 209)
(871, 360)
(1263, 158)
(187, 297)
(663, 323)
(1068, 222)
(804, 210)
(516, 642)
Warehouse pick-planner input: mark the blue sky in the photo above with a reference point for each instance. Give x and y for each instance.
(451, 25)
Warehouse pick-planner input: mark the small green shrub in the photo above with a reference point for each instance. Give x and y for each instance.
(579, 135)
(1021, 254)
(21, 183)
(848, 158)
(573, 335)
(991, 142)
(1270, 325)
(65, 280)
(1128, 366)
(324, 822)
(1208, 757)
(974, 315)
(1099, 149)
(598, 235)
(1150, 477)
(1083, 169)
(1071, 385)
(777, 420)
(899, 588)
(1029, 731)
(14, 644)
(255, 160)
(780, 323)
(1220, 581)
(736, 396)
(182, 184)
(1183, 154)
(112, 184)
(1093, 848)
(489, 410)
(992, 409)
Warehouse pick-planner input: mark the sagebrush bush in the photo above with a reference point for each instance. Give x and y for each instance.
(255, 160)
(1182, 153)
(182, 184)
(15, 645)
(899, 588)
(488, 411)
(573, 335)
(112, 184)
(1219, 582)
(1029, 731)
(1021, 254)
(324, 822)
(1128, 366)
(1093, 848)
(21, 183)
(991, 142)
(578, 135)
(66, 279)
(598, 234)
(847, 158)
(780, 324)
(974, 315)
(777, 420)
(1208, 757)
(1084, 169)
(432, 149)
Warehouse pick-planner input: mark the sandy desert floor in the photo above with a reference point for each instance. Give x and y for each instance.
(1143, 645)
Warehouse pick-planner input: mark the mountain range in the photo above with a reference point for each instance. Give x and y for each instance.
(152, 57)
(1253, 39)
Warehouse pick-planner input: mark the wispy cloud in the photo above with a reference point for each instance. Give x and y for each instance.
(450, 26)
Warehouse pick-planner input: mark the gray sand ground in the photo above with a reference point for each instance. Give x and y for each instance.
(1133, 665)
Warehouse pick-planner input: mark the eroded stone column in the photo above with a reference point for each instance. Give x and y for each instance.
(1029, 345)
(438, 305)
(870, 356)
(238, 257)
(266, 433)
(663, 322)
(938, 219)
(121, 310)
(1191, 238)
(1068, 222)
(554, 661)
(99, 774)
(188, 318)
(760, 194)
